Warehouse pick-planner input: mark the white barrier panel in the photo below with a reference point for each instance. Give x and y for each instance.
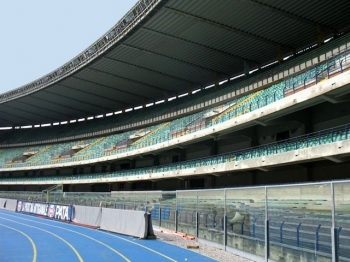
(127, 222)
(87, 215)
(2, 203)
(8, 204)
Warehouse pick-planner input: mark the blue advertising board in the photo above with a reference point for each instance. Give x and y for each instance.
(54, 211)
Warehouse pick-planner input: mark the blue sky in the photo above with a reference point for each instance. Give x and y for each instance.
(38, 36)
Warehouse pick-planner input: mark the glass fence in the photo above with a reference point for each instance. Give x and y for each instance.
(298, 222)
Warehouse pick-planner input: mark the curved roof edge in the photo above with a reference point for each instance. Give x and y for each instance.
(117, 32)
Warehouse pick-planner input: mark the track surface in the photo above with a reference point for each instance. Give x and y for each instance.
(28, 238)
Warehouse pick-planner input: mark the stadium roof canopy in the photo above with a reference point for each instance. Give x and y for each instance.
(161, 48)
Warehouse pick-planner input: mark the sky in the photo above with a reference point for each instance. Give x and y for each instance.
(38, 36)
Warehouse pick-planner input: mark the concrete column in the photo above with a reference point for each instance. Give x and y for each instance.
(156, 160)
(320, 38)
(214, 147)
(154, 185)
(309, 172)
(216, 79)
(253, 177)
(280, 54)
(254, 138)
(132, 163)
(128, 186)
(189, 89)
(246, 68)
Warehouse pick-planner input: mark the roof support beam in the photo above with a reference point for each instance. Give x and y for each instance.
(151, 70)
(42, 108)
(334, 159)
(175, 59)
(287, 14)
(199, 44)
(8, 121)
(130, 80)
(334, 100)
(96, 95)
(77, 100)
(225, 27)
(26, 111)
(52, 102)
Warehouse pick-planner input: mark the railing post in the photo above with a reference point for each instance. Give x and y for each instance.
(197, 225)
(176, 220)
(225, 221)
(335, 240)
(266, 228)
(253, 227)
(160, 217)
(316, 238)
(341, 66)
(281, 232)
(225, 232)
(298, 235)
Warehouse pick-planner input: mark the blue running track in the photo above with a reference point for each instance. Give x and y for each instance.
(28, 238)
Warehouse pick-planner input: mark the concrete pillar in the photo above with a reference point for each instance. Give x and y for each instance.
(320, 38)
(182, 154)
(309, 172)
(246, 68)
(280, 54)
(128, 186)
(216, 79)
(154, 185)
(189, 89)
(186, 184)
(214, 147)
(254, 138)
(132, 163)
(156, 160)
(253, 177)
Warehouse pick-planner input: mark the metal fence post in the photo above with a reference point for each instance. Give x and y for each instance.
(298, 234)
(335, 242)
(176, 212)
(266, 229)
(160, 216)
(197, 225)
(225, 221)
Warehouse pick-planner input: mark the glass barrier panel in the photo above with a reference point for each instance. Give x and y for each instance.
(342, 220)
(245, 209)
(186, 208)
(211, 211)
(300, 220)
(168, 210)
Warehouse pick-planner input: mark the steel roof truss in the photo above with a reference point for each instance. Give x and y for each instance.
(201, 45)
(176, 59)
(287, 14)
(226, 27)
(152, 70)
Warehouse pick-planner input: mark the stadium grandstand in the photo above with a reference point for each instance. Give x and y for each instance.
(227, 120)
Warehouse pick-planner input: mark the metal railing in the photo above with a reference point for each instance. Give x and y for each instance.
(326, 136)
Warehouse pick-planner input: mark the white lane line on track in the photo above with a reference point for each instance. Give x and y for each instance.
(30, 240)
(70, 245)
(137, 244)
(109, 247)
